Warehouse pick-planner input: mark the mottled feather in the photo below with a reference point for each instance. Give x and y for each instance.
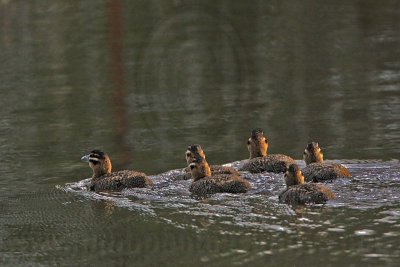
(215, 169)
(116, 181)
(276, 163)
(306, 193)
(320, 171)
(220, 183)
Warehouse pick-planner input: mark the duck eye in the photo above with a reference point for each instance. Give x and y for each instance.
(248, 142)
(191, 166)
(188, 153)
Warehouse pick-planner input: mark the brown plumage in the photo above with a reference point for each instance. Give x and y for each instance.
(204, 182)
(276, 163)
(105, 180)
(259, 160)
(196, 151)
(317, 170)
(298, 192)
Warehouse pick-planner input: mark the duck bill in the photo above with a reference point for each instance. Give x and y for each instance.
(85, 158)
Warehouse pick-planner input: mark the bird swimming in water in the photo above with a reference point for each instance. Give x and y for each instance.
(196, 151)
(105, 180)
(259, 160)
(204, 182)
(298, 192)
(317, 170)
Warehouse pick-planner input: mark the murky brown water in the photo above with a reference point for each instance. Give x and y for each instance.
(143, 79)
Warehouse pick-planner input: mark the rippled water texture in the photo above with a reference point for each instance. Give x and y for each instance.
(144, 79)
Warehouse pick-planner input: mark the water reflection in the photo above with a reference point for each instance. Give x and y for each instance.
(117, 69)
(330, 77)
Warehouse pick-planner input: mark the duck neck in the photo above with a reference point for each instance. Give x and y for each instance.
(294, 179)
(258, 149)
(257, 154)
(202, 172)
(103, 169)
(207, 170)
(315, 157)
(97, 173)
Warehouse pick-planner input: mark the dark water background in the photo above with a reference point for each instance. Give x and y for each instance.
(143, 79)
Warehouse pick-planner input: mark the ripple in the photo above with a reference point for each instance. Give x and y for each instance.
(364, 232)
(373, 187)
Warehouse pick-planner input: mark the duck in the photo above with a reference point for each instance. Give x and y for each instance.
(259, 161)
(205, 182)
(317, 170)
(105, 180)
(195, 150)
(299, 193)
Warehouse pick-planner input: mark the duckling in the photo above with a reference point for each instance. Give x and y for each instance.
(317, 170)
(259, 160)
(196, 151)
(298, 192)
(104, 179)
(204, 182)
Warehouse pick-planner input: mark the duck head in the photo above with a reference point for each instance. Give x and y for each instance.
(199, 168)
(293, 176)
(257, 144)
(194, 151)
(99, 162)
(313, 153)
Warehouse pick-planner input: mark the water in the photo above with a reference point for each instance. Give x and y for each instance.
(142, 80)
